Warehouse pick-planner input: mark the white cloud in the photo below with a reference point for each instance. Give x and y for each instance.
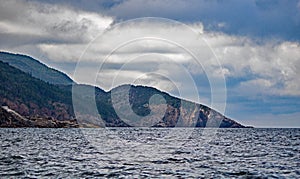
(108, 79)
(275, 66)
(62, 34)
(255, 87)
(50, 23)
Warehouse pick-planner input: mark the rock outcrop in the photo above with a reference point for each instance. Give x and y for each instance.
(33, 102)
(10, 118)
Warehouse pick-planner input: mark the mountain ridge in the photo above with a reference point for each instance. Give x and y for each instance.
(35, 99)
(34, 67)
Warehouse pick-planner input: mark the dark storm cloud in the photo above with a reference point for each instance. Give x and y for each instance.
(278, 19)
(264, 18)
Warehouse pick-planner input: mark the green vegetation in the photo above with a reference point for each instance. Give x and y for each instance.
(35, 68)
(17, 85)
(33, 97)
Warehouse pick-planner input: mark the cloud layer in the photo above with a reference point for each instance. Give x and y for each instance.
(255, 18)
(256, 43)
(29, 23)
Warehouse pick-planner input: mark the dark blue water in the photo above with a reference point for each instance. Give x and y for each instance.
(142, 152)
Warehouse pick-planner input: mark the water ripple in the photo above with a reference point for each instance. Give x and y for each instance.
(140, 152)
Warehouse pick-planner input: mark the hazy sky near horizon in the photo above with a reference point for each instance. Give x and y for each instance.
(256, 42)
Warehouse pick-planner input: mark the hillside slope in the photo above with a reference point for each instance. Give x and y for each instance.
(165, 110)
(30, 96)
(147, 106)
(35, 68)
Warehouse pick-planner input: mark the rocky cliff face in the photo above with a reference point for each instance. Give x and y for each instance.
(32, 97)
(10, 118)
(166, 111)
(57, 110)
(42, 104)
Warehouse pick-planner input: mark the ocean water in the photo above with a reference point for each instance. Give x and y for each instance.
(148, 152)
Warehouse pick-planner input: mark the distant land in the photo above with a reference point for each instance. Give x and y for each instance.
(35, 68)
(34, 95)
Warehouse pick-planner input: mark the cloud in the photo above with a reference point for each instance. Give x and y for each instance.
(256, 42)
(272, 65)
(256, 86)
(269, 68)
(112, 78)
(49, 28)
(30, 22)
(258, 19)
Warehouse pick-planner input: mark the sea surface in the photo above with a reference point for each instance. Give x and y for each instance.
(149, 153)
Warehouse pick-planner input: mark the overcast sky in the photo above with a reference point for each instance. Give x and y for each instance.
(252, 45)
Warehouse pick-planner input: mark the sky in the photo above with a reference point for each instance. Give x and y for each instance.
(239, 57)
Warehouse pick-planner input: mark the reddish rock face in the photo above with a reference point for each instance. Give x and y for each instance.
(38, 100)
(10, 119)
(58, 111)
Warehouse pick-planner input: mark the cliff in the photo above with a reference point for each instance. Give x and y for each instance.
(40, 103)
